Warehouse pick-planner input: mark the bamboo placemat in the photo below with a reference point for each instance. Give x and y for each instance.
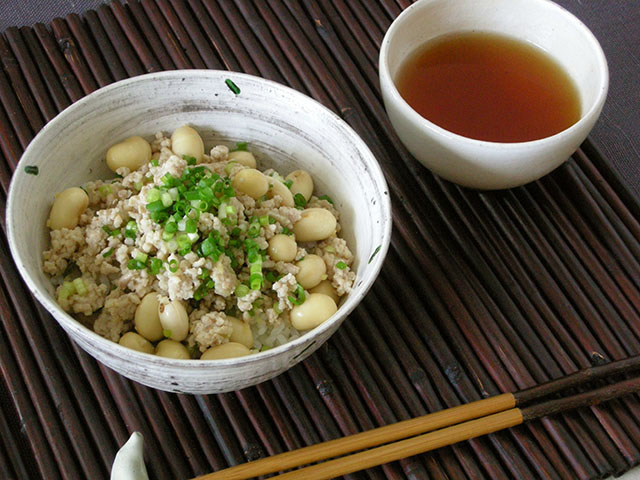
(481, 293)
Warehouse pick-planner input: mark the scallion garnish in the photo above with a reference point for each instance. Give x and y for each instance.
(80, 287)
(173, 265)
(288, 183)
(300, 296)
(31, 170)
(131, 230)
(155, 266)
(108, 253)
(299, 201)
(232, 86)
(190, 160)
(341, 265)
(327, 198)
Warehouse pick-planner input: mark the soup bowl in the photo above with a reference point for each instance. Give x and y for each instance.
(285, 129)
(483, 164)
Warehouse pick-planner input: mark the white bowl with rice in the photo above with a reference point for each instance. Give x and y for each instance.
(286, 130)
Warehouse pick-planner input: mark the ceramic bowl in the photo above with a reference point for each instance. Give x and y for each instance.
(285, 128)
(482, 164)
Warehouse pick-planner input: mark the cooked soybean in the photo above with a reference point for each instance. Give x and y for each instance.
(243, 158)
(316, 309)
(282, 248)
(241, 332)
(67, 208)
(326, 288)
(276, 187)
(225, 350)
(136, 342)
(302, 183)
(186, 141)
(316, 224)
(131, 153)
(312, 271)
(174, 320)
(172, 349)
(251, 182)
(147, 319)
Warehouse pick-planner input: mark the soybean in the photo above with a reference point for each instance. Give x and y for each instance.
(326, 288)
(241, 332)
(302, 183)
(276, 187)
(131, 153)
(312, 271)
(186, 141)
(316, 224)
(282, 248)
(136, 342)
(226, 350)
(147, 318)
(172, 349)
(251, 182)
(174, 320)
(317, 308)
(67, 208)
(243, 158)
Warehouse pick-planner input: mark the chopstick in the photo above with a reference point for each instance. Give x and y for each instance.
(411, 437)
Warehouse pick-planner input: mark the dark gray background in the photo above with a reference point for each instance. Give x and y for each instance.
(616, 24)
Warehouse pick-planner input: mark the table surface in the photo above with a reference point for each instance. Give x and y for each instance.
(615, 24)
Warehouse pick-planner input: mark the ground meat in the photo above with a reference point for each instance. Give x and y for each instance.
(86, 303)
(117, 315)
(284, 287)
(208, 329)
(64, 244)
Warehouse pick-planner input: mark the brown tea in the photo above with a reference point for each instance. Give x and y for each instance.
(489, 87)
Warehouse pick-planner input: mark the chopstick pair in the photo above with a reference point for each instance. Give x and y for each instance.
(439, 429)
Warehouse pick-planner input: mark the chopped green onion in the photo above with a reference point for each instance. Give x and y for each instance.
(288, 183)
(166, 333)
(341, 265)
(153, 195)
(191, 226)
(231, 210)
(173, 265)
(141, 257)
(276, 308)
(138, 186)
(131, 230)
(205, 273)
(155, 162)
(155, 266)
(286, 231)
(80, 287)
(299, 201)
(300, 296)
(105, 190)
(190, 160)
(240, 146)
(166, 235)
(31, 170)
(134, 264)
(327, 198)
(108, 253)
(264, 220)
(241, 290)
(230, 166)
(254, 230)
(66, 290)
(166, 199)
(232, 86)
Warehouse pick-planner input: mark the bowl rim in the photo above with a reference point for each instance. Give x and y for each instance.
(351, 301)
(394, 95)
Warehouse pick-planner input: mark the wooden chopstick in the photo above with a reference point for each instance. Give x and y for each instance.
(462, 423)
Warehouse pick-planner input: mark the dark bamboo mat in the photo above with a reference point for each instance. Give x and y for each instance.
(481, 293)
